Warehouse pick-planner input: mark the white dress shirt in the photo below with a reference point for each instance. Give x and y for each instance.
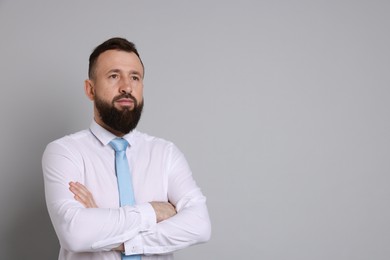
(160, 173)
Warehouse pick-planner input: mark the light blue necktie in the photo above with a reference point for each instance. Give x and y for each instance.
(125, 185)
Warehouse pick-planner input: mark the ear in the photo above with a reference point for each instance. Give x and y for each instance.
(89, 89)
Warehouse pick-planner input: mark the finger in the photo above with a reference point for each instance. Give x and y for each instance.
(87, 202)
(82, 195)
(85, 195)
(77, 191)
(80, 200)
(74, 187)
(81, 190)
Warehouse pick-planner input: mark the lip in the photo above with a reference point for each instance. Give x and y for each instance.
(125, 102)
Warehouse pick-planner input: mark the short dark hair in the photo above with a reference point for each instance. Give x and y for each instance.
(116, 43)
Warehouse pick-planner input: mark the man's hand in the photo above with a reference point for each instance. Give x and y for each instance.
(164, 210)
(82, 194)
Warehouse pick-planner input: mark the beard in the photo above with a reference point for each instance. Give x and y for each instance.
(122, 121)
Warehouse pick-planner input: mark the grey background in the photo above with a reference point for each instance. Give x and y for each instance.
(281, 107)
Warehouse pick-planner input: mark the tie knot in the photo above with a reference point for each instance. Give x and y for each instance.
(119, 144)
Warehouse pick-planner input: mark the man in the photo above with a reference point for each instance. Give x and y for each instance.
(82, 174)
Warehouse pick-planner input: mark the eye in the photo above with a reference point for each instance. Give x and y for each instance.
(136, 78)
(113, 76)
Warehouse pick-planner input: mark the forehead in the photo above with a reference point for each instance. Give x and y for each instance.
(119, 60)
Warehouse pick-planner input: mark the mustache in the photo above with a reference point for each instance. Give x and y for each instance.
(127, 95)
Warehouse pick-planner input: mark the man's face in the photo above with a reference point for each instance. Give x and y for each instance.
(117, 91)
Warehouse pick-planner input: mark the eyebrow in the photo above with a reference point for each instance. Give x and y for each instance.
(118, 71)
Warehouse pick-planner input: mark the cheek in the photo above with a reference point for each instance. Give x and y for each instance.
(138, 94)
(105, 93)
(103, 96)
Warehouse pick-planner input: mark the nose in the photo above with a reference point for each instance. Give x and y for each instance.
(126, 86)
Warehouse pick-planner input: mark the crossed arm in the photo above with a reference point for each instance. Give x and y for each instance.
(83, 227)
(163, 210)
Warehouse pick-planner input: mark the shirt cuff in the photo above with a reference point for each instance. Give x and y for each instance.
(148, 216)
(135, 245)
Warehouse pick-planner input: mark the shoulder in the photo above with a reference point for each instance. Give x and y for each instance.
(158, 149)
(153, 143)
(146, 139)
(70, 143)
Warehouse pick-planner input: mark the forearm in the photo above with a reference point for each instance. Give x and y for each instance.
(191, 225)
(87, 230)
(83, 229)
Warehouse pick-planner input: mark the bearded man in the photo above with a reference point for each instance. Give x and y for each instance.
(139, 201)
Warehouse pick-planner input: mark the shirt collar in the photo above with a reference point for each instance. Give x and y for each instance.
(105, 136)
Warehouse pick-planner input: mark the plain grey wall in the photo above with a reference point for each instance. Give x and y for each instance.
(281, 107)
